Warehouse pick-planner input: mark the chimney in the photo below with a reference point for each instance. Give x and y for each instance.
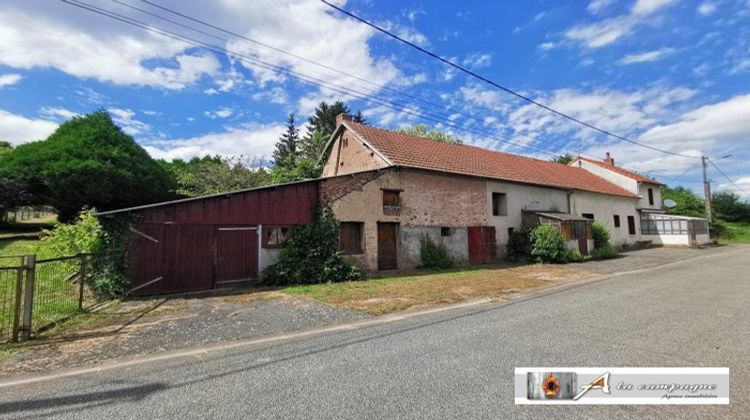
(342, 117)
(609, 160)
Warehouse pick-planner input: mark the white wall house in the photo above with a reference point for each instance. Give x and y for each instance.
(652, 224)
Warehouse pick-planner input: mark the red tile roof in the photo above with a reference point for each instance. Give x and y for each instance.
(418, 152)
(630, 174)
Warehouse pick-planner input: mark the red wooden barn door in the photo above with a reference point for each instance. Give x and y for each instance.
(236, 255)
(482, 247)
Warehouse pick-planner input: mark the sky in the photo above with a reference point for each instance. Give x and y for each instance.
(674, 75)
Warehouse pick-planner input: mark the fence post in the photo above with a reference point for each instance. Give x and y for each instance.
(81, 278)
(19, 294)
(28, 302)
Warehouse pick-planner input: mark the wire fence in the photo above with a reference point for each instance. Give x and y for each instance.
(37, 294)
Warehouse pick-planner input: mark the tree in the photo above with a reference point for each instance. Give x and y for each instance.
(5, 147)
(564, 158)
(285, 154)
(324, 118)
(422, 130)
(688, 204)
(312, 146)
(214, 174)
(729, 206)
(87, 162)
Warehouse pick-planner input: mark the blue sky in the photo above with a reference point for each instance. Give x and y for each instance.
(671, 74)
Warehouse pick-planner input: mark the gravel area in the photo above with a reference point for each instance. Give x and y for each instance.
(156, 325)
(642, 258)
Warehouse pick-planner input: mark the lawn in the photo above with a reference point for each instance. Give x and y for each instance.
(425, 289)
(735, 233)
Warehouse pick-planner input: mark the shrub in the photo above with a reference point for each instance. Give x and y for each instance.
(434, 255)
(519, 245)
(574, 256)
(310, 255)
(109, 264)
(600, 234)
(547, 245)
(81, 237)
(604, 252)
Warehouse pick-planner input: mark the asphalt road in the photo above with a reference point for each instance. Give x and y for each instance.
(455, 363)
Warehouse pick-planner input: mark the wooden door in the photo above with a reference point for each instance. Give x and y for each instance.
(236, 255)
(583, 246)
(482, 247)
(387, 247)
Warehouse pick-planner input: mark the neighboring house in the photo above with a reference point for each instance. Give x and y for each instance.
(467, 198)
(654, 225)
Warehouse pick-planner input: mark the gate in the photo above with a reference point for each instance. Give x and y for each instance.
(177, 258)
(39, 293)
(482, 248)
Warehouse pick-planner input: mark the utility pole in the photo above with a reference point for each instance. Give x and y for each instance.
(707, 189)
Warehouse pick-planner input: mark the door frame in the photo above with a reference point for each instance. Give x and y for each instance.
(396, 226)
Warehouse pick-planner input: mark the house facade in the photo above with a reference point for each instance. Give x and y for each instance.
(403, 188)
(652, 224)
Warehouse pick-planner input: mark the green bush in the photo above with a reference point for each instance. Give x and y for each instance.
(434, 255)
(519, 245)
(574, 256)
(81, 237)
(109, 264)
(604, 252)
(600, 234)
(547, 245)
(311, 255)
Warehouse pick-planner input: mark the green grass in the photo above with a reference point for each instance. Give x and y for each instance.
(735, 233)
(18, 246)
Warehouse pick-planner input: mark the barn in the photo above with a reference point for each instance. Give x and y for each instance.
(214, 241)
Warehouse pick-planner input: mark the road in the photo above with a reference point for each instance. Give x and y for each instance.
(453, 363)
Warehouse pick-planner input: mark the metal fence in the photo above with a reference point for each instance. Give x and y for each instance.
(38, 293)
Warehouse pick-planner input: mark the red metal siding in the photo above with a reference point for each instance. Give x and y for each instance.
(191, 253)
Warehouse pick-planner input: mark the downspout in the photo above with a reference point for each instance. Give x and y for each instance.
(567, 196)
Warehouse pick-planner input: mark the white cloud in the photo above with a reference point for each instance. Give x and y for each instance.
(75, 42)
(707, 8)
(18, 129)
(9, 79)
(477, 60)
(224, 112)
(646, 56)
(276, 95)
(596, 6)
(251, 140)
(607, 31)
(546, 46)
(123, 117)
(58, 113)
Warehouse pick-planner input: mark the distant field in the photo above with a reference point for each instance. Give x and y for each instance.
(736, 233)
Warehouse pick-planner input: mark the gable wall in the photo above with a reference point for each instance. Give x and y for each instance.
(620, 180)
(349, 155)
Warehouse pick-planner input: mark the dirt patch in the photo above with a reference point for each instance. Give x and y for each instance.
(393, 294)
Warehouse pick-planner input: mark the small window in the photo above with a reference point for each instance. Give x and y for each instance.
(276, 235)
(351, 238)
(344, 142)
(510, 231)
(617, 220)
(391, 198)
(499, 204)
(589, 216)
(650, 197)
(446, 231)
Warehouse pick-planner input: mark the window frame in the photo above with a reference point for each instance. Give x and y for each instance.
(589, 216)
(616, 220)
(397, 194)
(650, 196)
(267, 231)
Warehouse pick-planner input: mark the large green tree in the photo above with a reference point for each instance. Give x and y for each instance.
(320, 126)
(214, 174)
(422, 130)
(730, 206)
(564, 158)
(5, 147)
(285, 154)
(688, 204)
(87, 162)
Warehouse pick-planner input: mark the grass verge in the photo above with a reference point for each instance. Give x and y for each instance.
(400, 292)
(735, 233)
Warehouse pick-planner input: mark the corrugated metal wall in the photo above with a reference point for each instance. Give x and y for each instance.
(211, 242)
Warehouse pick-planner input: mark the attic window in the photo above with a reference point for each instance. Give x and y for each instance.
(391, 198)
(345, 142)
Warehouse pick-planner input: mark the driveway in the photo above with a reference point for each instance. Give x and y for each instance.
(454, 363)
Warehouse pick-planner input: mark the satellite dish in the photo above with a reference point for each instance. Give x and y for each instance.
(669, 203)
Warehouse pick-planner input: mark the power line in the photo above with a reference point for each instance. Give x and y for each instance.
(503, 88)
(725, 176)
(282, 70)
(683, 174)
